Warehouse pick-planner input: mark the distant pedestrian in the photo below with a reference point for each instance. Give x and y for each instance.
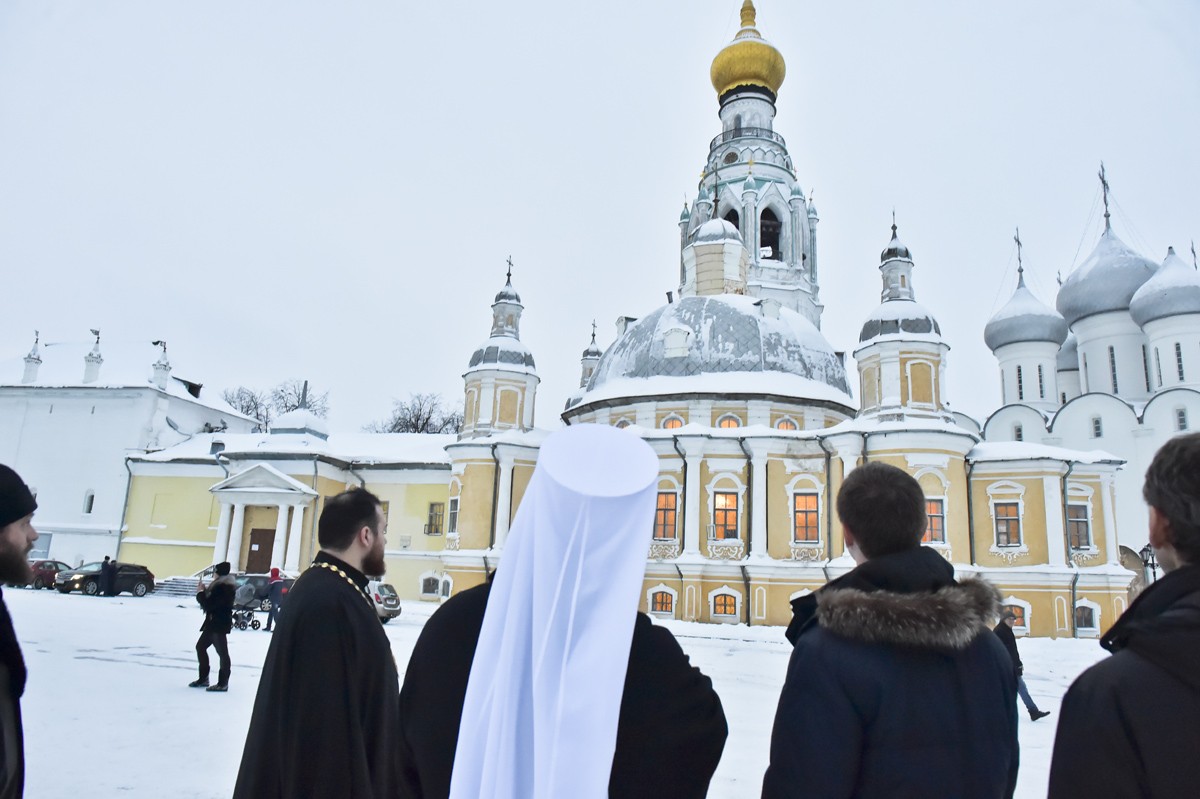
(217, 601)
(275, 592)
(1004, 631)
(17, 535)
(106, 578)
(1130, 725)
(896, 686)
(326, 721)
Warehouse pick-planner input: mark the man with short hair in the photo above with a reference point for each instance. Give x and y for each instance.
(896, 686)
(17, 535)
(1004, 631)
(1130, 725)
(327, 717)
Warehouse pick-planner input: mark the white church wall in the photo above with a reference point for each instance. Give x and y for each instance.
(1115, 331)
(1166, 361)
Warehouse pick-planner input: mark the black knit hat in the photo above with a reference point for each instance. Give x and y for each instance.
(16, 500)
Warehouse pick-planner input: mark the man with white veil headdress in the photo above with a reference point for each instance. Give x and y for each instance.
(546, 682)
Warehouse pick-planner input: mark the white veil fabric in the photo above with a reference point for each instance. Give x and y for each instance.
(540, 715)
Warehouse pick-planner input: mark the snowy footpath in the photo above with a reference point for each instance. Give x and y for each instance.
(108, 712)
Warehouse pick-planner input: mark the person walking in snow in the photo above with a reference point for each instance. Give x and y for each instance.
(17, 535)
(274, 596)
(1130, 725)
(217, 601)
(1004, 631)
(896, 686)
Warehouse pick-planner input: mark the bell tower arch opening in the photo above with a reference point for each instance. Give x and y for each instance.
(769, 228)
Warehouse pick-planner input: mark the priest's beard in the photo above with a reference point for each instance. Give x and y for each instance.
(373, 565)
(14, 567)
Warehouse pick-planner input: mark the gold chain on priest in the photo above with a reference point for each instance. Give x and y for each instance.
(345, 577)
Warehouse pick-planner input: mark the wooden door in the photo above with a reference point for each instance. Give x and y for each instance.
(258, 559)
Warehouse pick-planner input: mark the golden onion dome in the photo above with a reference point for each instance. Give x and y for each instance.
(749, 60)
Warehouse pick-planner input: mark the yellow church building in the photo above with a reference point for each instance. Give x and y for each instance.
(732, 383)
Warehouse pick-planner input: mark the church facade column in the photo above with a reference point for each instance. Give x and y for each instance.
(234, 553)
(280, 537)
(693, 453)
(291, 561)
(756, 543)
(504, 500)
(1108, 488)
(221, 546)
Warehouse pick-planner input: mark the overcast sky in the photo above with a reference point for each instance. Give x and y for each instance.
(310, 189)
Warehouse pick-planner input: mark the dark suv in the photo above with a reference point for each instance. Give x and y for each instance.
(137, 580)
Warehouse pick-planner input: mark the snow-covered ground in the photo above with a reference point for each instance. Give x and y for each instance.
(108, 713)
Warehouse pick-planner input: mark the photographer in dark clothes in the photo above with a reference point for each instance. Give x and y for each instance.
(1004, 631)
(217, 601)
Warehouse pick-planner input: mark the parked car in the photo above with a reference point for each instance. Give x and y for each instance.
(387, 603)
(260, 581)
(44, 572)
(137, 580)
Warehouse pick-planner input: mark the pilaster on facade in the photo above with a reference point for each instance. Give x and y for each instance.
(234, 553)
(221, 546)
(693, 451)
(503, 498)
(278, 543)
(291, 561)
(758, 498)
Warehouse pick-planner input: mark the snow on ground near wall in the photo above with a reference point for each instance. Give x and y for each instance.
(107, 711)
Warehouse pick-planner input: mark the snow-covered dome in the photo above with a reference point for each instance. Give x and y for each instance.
(593, 350)
(300, 420)
(502, 352)
(906, 318)
(895, 249)
(1173, 291)
(1068, 355)
(1106, 281)
(1024, 318)
(725, 344)
(715, 230)
(508, 293)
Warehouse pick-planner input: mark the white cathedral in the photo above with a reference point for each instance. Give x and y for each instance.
(748, 406)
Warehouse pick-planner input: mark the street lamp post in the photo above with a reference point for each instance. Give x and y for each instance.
(1150, 563)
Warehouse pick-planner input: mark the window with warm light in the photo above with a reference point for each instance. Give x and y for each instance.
(935, 522)
(672, 423)
(724, 605)
(725, 515)
(805, 524)
(1078, 526)
(662, 602)
(786, 424)
(1008, 524)
(664, 515)
(728, 422)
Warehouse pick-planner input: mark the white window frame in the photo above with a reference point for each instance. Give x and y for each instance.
(806, 484)
(452, 515)
(1097, 430)
(663, 588)
(783, 419)
(1181, 419)
(672, 417)
(437, 592)
(1001, 492)
(1020, 632)
(725, 416)
(725, 590)
(1094, 630)
(933, 382)
(1079, 494)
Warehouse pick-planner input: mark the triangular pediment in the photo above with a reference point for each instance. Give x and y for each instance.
(262, 478)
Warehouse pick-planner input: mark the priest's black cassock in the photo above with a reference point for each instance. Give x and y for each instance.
(327, 717)
(669, 738)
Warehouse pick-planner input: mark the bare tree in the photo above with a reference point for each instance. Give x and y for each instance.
(265, 406)
(248, 402)
(420, 413)
(287, 396)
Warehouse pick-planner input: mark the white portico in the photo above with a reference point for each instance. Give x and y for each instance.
(261, 485)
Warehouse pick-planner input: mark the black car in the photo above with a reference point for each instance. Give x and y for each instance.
(137, 580)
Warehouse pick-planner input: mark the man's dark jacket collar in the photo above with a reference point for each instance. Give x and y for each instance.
(1163, 625)
(918, 570)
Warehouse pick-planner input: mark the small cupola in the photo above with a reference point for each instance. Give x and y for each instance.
(32, 361)
(92, 361)
(896, 264)
(162, 367)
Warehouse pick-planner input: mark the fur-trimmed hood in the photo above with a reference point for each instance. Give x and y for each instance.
(949, 618)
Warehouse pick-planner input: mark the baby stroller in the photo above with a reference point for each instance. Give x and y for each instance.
(244, 605)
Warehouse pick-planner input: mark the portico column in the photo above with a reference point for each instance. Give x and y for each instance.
(1110, 521)
(280, 532)
(758, 499)
(234, 553)
(222, 543)
(693, 451)
(504, 500)
(292, 562)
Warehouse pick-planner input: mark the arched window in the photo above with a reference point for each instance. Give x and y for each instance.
(729, 421)
(431, 586)
(1112, 368)
(1018, 433)
(672, 422)
(1085, 617)
(1179, 360)
(1016, 610)
(1020, 385)
(768, 235)
(1097, 427)
(89, 501)
(662, 602)
(622, 424)
(732, 218)
(724, 605)
(1041, 382)
(786, 423)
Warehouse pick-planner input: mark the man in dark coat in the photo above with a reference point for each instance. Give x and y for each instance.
(1130, 725)
(670, 734)
(106, 578)
(1004, 631)
(896, 687)
(217, 601)
(326, 720)
(17, 535)
(275, 591)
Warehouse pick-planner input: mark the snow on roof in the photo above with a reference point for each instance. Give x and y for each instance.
(1173, 291)
(127, 364)
(361, 448)
(1024, 318)
(1024, 451)
(872, 423)
(902, 320)
(781, 384)
(1105, 281)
